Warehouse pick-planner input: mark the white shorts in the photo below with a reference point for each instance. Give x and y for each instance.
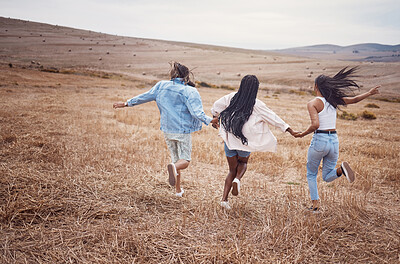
(179, 145)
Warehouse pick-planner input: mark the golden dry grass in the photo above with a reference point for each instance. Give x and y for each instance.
(83, 183)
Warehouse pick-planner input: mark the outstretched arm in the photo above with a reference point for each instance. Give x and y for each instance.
(141, 98)
(292, 132)
(120, 105)
(313, 112)
(195, 106)
(271, 118)
(360, 97)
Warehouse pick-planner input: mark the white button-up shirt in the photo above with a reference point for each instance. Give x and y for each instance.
(256, 130)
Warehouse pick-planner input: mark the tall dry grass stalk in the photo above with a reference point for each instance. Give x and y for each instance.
(83, 183)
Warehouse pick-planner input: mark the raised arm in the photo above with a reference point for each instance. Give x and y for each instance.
(360, 97)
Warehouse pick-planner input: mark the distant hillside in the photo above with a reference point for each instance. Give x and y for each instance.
(358, 52)
(373, 47)
(58, 49)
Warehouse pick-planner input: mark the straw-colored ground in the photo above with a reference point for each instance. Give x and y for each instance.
(84, 183)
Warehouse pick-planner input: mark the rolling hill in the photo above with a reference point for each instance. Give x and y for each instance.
(359, 52)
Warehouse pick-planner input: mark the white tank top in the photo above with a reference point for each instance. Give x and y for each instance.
(327, 117)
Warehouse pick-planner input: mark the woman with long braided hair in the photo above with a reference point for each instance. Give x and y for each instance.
(244, 128)
(331, 92)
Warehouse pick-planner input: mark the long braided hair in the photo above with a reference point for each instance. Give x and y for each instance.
(181, 71)
(241, 107)
(333, 89)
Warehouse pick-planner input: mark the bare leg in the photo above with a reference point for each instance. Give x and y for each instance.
(180, 165)
(233, 163)
(241, 167)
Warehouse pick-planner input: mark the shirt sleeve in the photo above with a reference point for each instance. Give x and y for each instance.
(144, 97)
(220, 105)
(270, 117)
(195, 106)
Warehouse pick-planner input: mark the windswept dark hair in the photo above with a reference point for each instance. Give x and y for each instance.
(333, 89)
(181, 71)
(241, 107)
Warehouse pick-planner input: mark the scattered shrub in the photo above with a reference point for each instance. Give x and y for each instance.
(9, 138)
(297, 92)
(397, 100)
(204, 84)
(227, 87)
(347, 116)
(50, 69)
(372, 106)
(368, 115)
(209, 85)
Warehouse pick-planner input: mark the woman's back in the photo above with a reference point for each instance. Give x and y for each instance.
(256, 129)
(327, 117)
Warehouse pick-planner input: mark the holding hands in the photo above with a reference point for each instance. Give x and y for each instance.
(293, 133)
(215, 122)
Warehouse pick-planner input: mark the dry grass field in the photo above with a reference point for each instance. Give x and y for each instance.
(81, 182)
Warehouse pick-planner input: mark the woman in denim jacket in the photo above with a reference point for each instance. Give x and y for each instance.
(181, 113)
(331, 92)
(244, 129)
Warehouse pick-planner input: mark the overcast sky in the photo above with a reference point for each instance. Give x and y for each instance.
(254, 24)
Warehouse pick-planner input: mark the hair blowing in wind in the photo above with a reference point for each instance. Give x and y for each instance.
(241, 107)
(181, 71)
(333, 89)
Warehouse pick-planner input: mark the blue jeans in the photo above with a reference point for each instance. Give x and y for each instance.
(323, 147)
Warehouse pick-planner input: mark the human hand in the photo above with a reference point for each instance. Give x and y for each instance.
(215, 122)
(374, 90)
(292, 132)
(119, 105)
(298, 135)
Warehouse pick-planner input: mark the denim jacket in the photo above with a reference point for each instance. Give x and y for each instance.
(181, 110)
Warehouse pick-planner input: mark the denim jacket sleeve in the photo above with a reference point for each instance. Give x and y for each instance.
(144, 97)
(269, 116)
(193, 103)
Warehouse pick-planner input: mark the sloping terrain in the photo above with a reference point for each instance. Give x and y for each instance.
(84, 183)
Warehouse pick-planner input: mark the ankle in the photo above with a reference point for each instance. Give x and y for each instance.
(339, 172)
(315, 203)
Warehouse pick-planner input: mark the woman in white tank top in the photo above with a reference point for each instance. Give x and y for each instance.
(331, 92)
